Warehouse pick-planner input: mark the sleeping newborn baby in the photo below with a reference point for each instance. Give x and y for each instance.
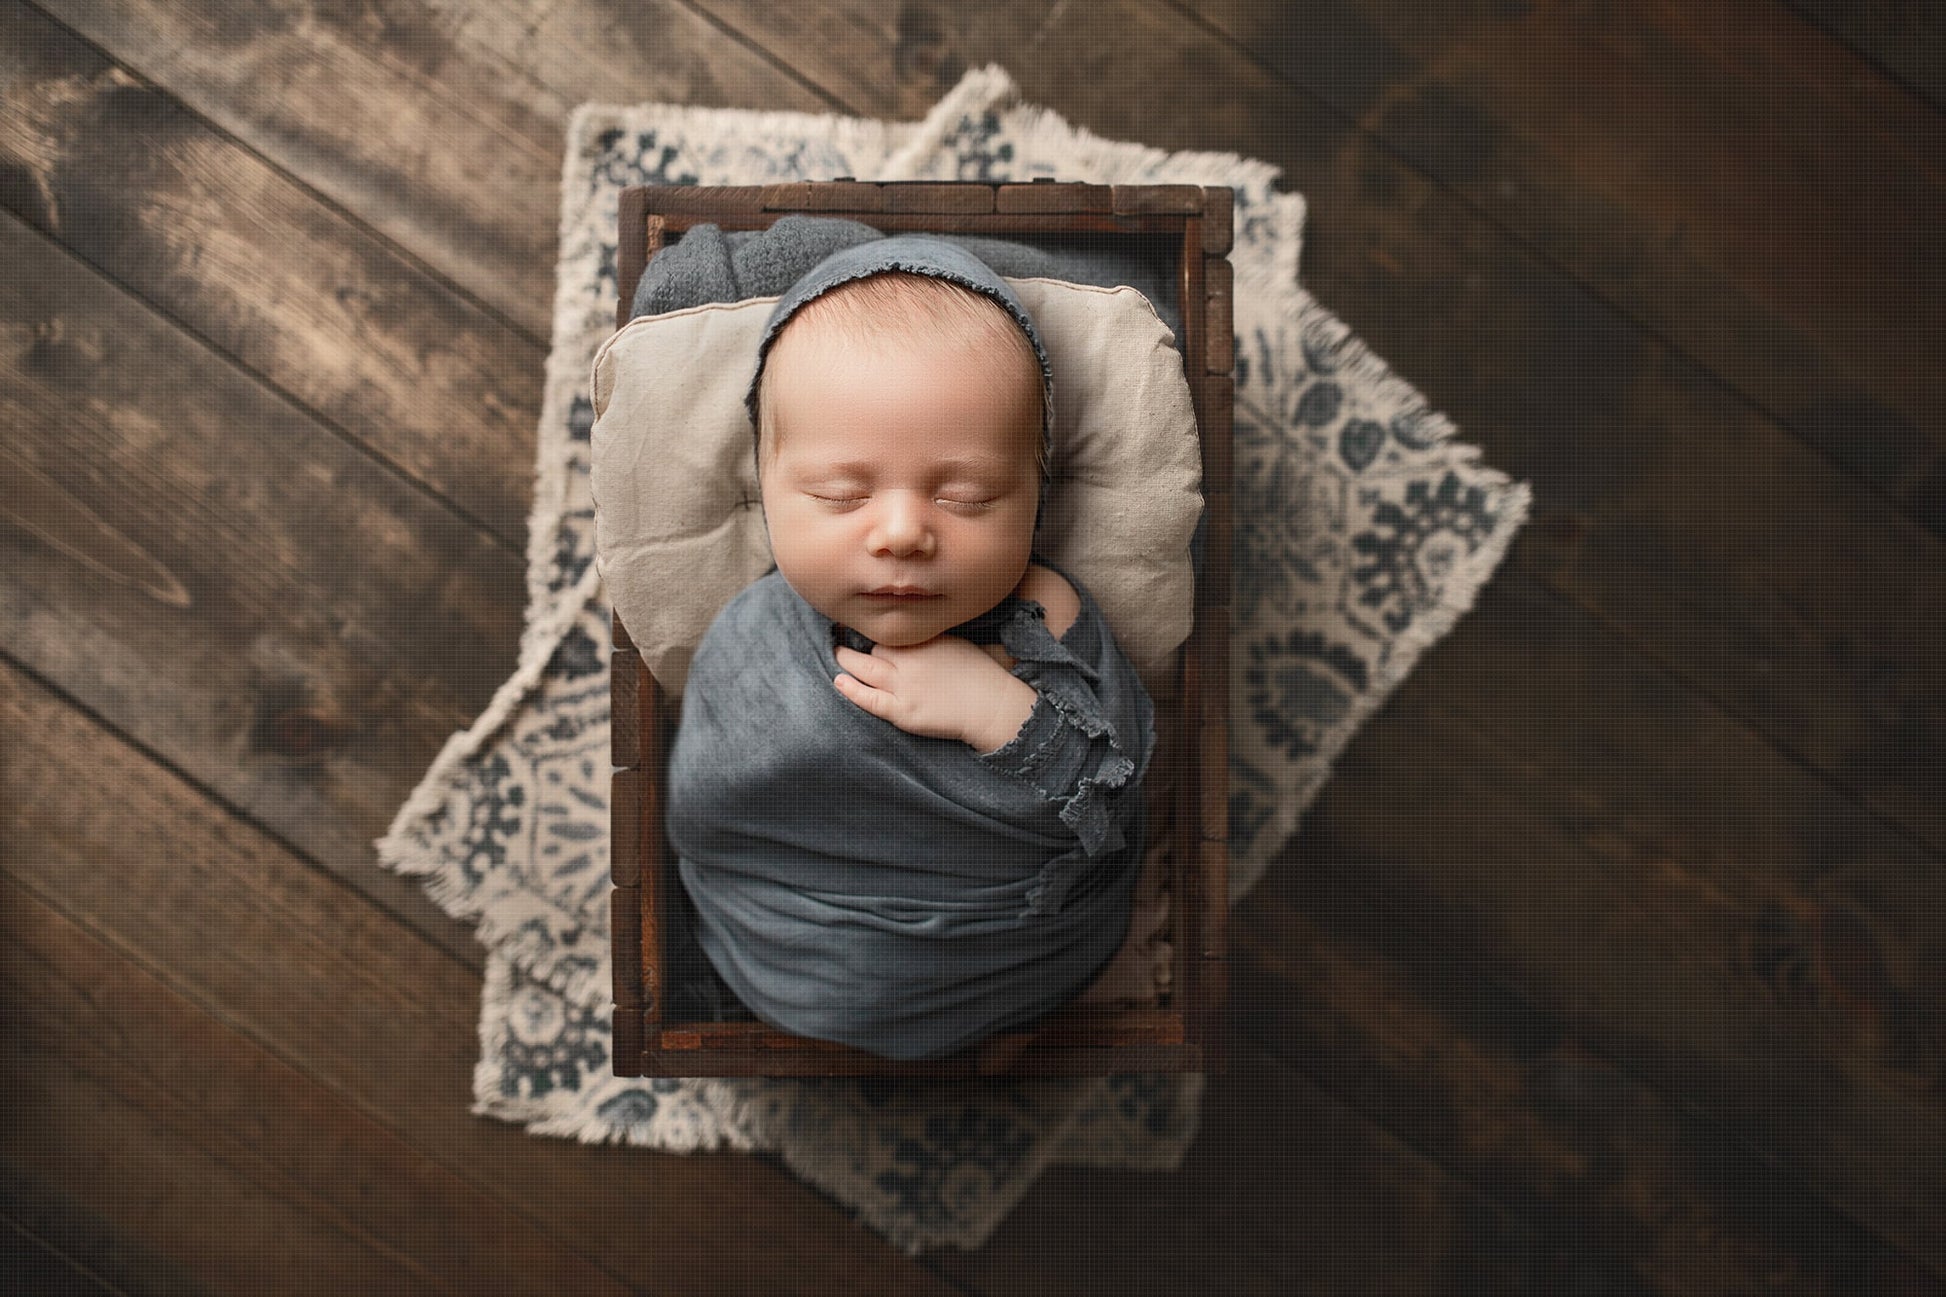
(905, 795)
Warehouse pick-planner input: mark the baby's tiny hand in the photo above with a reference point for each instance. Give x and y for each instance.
(944, 688)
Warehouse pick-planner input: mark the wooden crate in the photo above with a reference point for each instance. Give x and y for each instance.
(1183, 1033)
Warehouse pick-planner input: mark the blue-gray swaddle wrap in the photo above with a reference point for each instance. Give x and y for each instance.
(853, 882)
(904, 894)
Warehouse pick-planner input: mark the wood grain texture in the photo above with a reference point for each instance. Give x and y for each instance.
(240, 255)
(146, 1162)
(1798, 1014)
(481, 92)
(1742, 558)
(41, 1266)
(455, 156)
(1335, 976)
(1908, 41)
(330, 985)
(649, 51)
(1726, 222)
(878, 60)
(1283, 1193)
(280, 683)
(104, 1016)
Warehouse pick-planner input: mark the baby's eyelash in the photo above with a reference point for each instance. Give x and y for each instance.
(971, 506)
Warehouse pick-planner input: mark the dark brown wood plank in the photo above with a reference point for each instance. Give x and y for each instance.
(844, 51)
(251, 262)
(74, 1231)
(652, 51)
(1907, 40)
(228, 919)
(441, 126)
(1743, 186)
(1708, 821)
(1497, 1089)
(148, 1171)
(39, 1267)
(1287, 1189)
(336, 625)
(455, 160)
(1682, 899)
(73, 998)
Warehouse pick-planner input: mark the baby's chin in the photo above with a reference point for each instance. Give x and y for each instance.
(899, 629)
(906, 639)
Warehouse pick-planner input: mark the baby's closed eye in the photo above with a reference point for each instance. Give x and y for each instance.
(968, 503)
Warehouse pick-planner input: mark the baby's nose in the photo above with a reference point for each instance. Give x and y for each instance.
(901, 529)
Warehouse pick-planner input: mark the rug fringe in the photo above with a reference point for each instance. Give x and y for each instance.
(1512, 501)
(980, 90)
(585, 1124)
(744, 1113)
(397, 849)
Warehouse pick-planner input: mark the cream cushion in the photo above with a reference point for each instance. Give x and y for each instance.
(678, 527)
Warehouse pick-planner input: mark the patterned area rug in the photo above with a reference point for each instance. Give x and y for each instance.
(1363, 530)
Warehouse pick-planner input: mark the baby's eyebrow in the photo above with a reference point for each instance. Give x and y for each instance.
(975, 464)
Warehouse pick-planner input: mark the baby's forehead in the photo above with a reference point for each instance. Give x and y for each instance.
(825, 347)
(886, 321)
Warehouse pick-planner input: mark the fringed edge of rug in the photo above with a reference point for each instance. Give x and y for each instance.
(900, 1230)
(547, 623)
(1105, 161)
(545, 619)
(1512, 501)
(587, 1125)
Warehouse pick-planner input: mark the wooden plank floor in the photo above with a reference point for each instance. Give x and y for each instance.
(1613, 958)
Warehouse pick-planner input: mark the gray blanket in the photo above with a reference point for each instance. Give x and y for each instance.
(708, 265)
(906, 895)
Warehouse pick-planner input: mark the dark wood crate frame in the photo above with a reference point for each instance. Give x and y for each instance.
(1183, 1033)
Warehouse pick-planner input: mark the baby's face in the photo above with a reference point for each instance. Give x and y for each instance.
(901, 490)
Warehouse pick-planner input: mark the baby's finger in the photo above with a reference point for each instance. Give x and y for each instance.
(871, 670)
(872, 700)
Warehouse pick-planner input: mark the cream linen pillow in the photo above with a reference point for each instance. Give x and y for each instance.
(678, 528)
